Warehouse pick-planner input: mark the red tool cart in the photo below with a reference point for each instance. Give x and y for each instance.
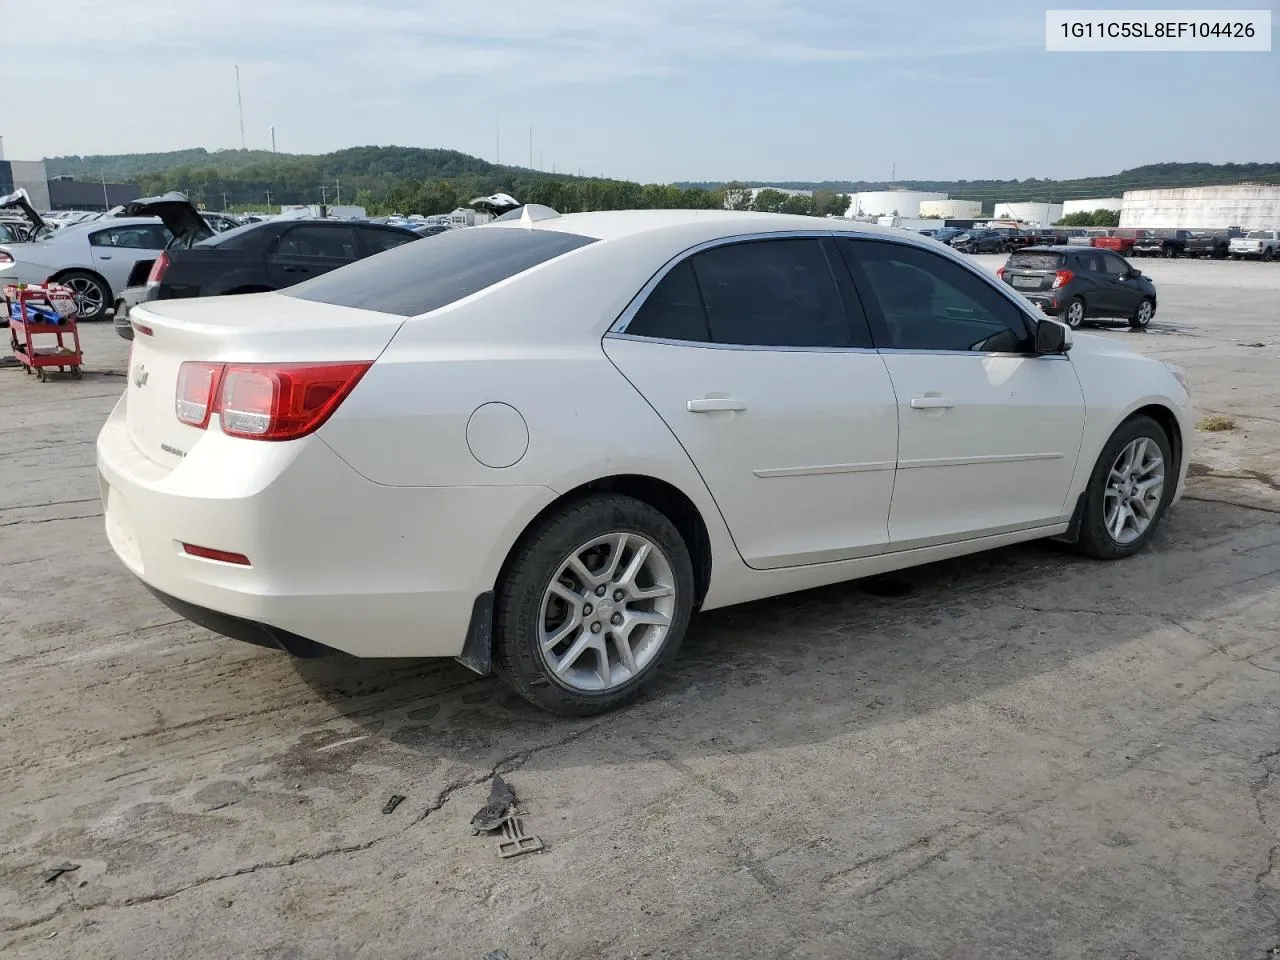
(43, 310)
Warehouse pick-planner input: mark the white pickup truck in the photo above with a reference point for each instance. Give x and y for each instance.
(1260, 244)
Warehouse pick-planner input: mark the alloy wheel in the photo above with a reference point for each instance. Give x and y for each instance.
(88, 295)
(1135, 486)
(607, 612)
(1145, 313)
(1075, 313)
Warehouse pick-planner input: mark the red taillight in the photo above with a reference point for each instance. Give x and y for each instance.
(1000, 272)
(283, 401)
(5, 257)
(142, 329)
(197, 392)
(274, 401)
(158, 268)
(208, 553)
(1062, 278)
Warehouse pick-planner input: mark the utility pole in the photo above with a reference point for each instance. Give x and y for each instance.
(893, 173)
(531, 147)
(268, 201)
(240, 107)
(106, 203)
(338, 186)
(224, 201)
(273, 138)
(324, 195)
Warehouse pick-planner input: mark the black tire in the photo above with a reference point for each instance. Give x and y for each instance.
(518, 657)
(1095, 540)
(1142, 314)
(1268, 255)
(84, 284)
(1074, 313)
(1170, 253)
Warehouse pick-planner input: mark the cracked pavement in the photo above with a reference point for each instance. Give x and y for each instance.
(1011, 755)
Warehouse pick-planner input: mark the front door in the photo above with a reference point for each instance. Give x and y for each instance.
(989, 433)
(758, 358)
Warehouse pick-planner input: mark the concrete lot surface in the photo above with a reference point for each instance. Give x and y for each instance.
(1020, 754)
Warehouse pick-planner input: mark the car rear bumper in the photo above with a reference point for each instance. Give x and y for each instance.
(130, 298)
(336, 561)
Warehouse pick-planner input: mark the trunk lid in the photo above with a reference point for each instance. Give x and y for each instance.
(20, 200)
(1033, 271)
(175, 212)
(254, 328)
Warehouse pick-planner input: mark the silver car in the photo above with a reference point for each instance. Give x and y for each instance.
(95, 259)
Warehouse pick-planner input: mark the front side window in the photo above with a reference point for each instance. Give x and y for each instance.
(925, 301)
(1114, 266)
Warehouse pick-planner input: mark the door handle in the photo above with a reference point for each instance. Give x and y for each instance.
(931, 403)
(715, 405)
(104, 256)
(295, 269)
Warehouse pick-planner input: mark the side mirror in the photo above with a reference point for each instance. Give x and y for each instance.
(1052, 337)
(1135, 272)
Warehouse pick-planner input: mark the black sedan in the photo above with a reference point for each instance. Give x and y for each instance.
(254, 259)
(979, 241)
(1077, 284)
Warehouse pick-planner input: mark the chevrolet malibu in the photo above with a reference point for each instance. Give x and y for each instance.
(538, 446)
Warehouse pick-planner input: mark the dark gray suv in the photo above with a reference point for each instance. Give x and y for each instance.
(1076, 284)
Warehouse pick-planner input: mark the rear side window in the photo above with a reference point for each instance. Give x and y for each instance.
(376, 241)
(420, 277)
(1035, 261)
(314, 242)
(673, 310)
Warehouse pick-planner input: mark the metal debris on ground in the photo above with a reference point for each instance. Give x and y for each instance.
(515, 841)
(494, 813)
(392, 802)
(54, 872)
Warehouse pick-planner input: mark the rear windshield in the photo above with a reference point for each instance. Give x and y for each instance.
(1035, 261)
(419, 277)
(1258, 235)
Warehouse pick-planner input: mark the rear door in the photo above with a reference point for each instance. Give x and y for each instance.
(116, 249)
(989, 432)
(310, 249)
(757, 356)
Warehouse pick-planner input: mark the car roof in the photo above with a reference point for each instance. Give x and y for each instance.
(697, 226)
(1056, 248)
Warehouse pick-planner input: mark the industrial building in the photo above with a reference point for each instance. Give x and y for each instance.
(1031, 212)
(1250, 206)
(61, 193)
(951, 209)
(1088, 206)
(889, 203)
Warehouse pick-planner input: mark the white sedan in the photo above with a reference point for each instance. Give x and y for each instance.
(540, 445)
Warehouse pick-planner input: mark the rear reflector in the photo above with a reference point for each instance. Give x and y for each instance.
(197, 392)
(274, 401)
(208, 553)
(1000, 272)
(142, 329)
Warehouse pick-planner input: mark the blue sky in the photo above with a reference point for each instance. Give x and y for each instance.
(653, 90)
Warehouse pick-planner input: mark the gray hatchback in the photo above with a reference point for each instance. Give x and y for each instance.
(1076, 284)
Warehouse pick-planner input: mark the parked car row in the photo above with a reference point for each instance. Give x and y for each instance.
(115, 260)
(1218, 244)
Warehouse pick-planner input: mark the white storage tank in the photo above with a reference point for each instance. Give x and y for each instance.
(1251, 206)
(889, 203)
(951, 209)
(1030, 211)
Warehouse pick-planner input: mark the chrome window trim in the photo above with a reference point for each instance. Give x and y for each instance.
(618, 328)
